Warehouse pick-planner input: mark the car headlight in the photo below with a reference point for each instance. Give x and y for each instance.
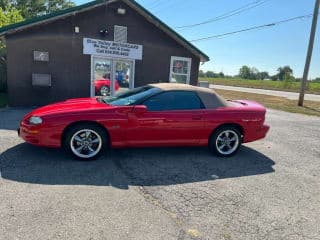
(35, 120)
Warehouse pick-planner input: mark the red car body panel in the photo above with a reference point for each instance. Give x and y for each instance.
(130, 128)
(104, 82)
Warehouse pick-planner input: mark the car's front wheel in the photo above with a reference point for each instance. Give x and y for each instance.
(225, 141)
(85, 141)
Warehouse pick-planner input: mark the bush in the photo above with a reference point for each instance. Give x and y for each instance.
(287, 82)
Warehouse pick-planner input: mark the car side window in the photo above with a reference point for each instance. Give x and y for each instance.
(174, 100)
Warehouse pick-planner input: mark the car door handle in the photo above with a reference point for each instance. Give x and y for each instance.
(196, 117)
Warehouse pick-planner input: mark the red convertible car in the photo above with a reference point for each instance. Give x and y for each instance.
(164, 114)
(102, 86)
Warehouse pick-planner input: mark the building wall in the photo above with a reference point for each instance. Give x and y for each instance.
(70, 68)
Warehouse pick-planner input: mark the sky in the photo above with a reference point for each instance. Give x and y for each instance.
(265, 49)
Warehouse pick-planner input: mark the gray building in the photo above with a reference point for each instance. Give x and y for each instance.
(97, 48)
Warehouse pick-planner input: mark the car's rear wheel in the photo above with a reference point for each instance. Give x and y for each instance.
(225, 141)
(85, 141)
(104, 90)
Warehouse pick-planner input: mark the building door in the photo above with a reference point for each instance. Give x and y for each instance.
(109, 76)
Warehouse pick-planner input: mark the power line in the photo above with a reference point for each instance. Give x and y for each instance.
(227, 14)
(252, 28)
(152, 4)
(155, 4)
(165, 6)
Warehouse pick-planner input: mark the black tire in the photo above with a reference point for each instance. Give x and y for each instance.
(104, 90)
(231, 147)
(97, 141)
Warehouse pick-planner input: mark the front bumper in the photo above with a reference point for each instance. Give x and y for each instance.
(30, 135)
(40, 135)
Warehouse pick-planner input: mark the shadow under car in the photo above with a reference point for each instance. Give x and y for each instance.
(124, 167)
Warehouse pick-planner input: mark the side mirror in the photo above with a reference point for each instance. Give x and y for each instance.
(140, 109)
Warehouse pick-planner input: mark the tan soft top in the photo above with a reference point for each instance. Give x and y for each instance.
(208, 96)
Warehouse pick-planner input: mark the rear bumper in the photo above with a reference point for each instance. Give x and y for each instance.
(256, 134)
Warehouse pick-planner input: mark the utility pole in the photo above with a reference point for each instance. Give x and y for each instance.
(309, 54)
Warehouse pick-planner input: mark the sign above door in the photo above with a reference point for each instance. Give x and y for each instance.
(112, 49)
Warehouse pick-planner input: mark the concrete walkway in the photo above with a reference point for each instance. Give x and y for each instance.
(289, 95)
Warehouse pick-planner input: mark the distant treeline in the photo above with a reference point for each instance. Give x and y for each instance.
(245, 72)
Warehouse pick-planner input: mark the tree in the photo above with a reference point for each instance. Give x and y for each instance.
(263, 75)
(32, 8)
(210, 74)
(27, 8)
(55, 5)
(275, 77)
(8, 15)
(254, 73)
(288, 79)
(245, 72)
(283, 72)
(201, 73)
(221, 74)
(4, 3)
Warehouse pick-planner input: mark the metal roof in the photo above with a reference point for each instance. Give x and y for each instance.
(10, 29)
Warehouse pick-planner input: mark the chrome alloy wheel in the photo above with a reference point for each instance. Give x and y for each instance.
(86, 143)
(227, 142)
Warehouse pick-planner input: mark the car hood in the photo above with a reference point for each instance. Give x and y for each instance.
(70, 106)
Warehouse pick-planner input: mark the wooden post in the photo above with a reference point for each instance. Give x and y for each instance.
(309, 54)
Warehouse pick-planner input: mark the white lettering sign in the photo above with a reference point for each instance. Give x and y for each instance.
(112, 49)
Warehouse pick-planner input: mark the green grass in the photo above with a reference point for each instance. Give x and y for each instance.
(312, 87)
(3, 99)
(279, 103)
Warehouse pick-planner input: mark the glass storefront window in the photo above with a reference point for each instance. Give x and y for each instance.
(111, 75)
(101, 76)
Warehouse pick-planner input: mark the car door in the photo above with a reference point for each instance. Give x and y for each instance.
(172, 118)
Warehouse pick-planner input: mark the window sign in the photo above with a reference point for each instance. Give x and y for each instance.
(112, 49)
(40, 56)
(180, 70)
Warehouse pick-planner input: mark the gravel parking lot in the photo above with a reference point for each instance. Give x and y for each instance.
(269, 190)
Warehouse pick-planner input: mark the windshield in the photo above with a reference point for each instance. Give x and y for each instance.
(131, 97)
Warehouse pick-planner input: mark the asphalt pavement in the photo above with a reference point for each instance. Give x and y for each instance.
(288, 95)
(269, 190)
